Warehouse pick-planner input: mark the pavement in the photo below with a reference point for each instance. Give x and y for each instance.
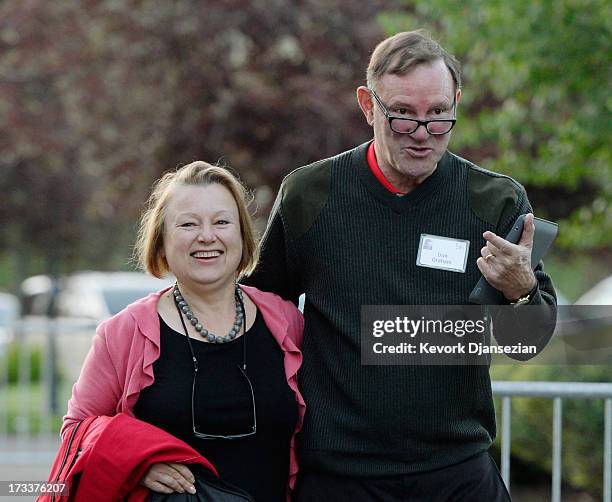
(23, 459)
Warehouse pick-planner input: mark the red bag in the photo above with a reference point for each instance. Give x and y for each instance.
(65, 460)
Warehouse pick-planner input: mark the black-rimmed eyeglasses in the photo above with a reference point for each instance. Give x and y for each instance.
(403, 125)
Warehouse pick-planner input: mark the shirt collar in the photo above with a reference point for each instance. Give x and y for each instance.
(377, 172)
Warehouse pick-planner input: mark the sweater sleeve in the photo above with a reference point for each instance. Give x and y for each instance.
(274, 272)
(97, 391)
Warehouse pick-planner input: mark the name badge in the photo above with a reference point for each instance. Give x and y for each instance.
(443, 253)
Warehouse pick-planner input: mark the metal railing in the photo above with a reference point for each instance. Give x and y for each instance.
(557, 391)
(33, 397)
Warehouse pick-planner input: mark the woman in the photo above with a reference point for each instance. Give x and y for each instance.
(208, 361)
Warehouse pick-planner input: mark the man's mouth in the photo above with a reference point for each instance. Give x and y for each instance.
(418, 151)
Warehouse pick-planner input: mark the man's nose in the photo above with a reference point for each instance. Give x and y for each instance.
(421, 133)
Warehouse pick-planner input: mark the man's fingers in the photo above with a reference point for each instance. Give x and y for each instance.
(486, 253)
(483, 266)
(528, 231)
(493, 249)
(497, 241)
(506, 266)
(504, 246)
(490, 271)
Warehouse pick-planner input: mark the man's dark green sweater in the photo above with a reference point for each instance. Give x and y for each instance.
(339, 236)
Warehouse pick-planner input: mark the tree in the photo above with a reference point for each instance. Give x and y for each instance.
(101, 97)
(536, 102)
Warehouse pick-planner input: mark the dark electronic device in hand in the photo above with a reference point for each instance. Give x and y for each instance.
(545, 233)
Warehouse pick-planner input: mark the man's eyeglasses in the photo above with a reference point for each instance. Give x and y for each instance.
(403, 125)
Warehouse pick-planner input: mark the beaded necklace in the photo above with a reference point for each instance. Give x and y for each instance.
(211, 337)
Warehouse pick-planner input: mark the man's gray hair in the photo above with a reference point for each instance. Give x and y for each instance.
(400, 53)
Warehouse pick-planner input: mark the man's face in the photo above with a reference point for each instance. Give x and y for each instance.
(426, 92)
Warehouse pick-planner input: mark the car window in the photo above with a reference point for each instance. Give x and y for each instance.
(117, 299)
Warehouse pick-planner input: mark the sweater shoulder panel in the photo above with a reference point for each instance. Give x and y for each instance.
(305, 192)
(493, 197)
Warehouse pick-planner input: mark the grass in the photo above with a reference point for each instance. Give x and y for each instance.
(24, 408)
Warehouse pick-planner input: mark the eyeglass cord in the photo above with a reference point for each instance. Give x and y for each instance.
(244, 324)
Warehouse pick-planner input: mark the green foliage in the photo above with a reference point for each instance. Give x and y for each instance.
(582, 441)
(18, 357)
(24, 400)
(98, 98)
(536, 102)
(573, 277)
(23, 409)
(28, 360)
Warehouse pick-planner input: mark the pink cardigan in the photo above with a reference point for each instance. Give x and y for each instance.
(120, 362)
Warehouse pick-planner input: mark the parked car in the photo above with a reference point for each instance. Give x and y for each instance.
(89, 295)
(65, 311)
(36, 294)
(99, 295)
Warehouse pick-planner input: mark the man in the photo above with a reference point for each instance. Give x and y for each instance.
(346, 231)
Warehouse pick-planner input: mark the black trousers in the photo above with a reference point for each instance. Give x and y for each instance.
(476, 479)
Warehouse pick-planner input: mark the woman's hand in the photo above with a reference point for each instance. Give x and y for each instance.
(168, 478)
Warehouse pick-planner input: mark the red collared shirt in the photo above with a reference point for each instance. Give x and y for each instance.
(376, 171)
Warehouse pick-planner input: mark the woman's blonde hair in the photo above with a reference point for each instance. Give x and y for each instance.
(150, 241)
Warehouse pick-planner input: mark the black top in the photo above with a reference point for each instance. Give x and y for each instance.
(258, 464)
(341, 238)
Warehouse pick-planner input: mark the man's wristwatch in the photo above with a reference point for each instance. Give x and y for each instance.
(526, 298)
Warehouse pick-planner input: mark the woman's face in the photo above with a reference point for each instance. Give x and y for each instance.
(202, 239)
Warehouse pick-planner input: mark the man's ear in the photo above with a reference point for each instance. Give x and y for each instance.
(457, 96)
(364, 98)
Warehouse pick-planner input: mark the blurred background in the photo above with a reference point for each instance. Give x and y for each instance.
(98, 98)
